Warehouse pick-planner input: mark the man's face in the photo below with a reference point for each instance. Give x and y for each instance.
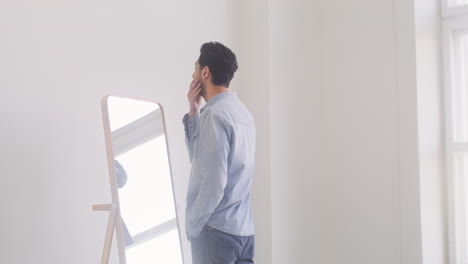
(197, 74)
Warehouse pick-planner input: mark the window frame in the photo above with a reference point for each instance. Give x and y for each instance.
(449, 10)
(456, 202)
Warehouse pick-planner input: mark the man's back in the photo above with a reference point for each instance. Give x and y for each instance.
(222, 147)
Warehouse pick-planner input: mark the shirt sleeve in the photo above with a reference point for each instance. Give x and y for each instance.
(190, 127)
(214, 151)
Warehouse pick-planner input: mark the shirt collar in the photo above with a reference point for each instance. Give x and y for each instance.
(218, 97)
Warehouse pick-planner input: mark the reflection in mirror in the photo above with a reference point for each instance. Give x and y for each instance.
(143, 180)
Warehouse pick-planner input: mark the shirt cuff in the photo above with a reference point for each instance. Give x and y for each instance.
(190, 123)
(191, 231)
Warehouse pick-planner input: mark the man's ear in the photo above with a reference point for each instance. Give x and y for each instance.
(205, 72)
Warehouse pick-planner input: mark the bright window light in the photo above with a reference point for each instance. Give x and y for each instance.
(163, 249)
(146, 199)
(460, 87)
(458, 2)
(121, 116)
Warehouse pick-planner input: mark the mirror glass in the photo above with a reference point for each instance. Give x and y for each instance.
(143, 181)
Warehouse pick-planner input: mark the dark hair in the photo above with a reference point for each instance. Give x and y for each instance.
(221, 61)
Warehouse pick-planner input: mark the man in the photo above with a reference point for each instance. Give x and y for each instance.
(220, 139)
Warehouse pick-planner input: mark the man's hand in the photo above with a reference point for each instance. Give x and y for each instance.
(194, 97)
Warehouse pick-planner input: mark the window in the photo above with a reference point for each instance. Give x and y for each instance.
(455, 53)
(458, 2)
(454, 7)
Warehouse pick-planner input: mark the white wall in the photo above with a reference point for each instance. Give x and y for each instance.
(344, 155)
(295, 115)
(58, 58)
(360, 170)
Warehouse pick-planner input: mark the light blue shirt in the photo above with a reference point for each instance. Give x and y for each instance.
(221, 145)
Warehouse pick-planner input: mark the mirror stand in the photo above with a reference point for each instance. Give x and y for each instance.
(113, 213)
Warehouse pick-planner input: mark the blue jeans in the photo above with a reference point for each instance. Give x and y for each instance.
(216, 247)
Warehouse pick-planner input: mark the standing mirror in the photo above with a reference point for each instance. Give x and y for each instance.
(141, 181)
